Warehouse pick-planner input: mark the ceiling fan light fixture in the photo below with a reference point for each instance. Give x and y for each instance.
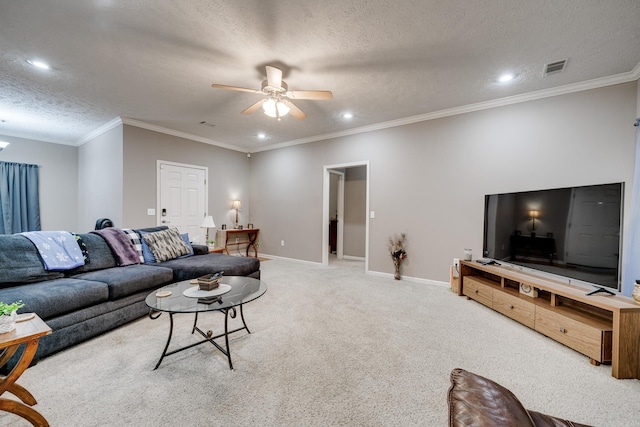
(270, 106)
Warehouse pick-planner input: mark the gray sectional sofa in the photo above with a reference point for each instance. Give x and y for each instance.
(99, 296)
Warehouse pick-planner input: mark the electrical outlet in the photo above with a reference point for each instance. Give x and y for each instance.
(151, 211)
(456, 267)
(237, 239)
(281, 242)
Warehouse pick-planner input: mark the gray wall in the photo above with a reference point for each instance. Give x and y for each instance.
(58, 174)
(429, 179)
(355, 211)
(228, 175)
(100, 183)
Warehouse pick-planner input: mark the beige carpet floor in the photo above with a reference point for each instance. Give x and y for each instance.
(330, 347)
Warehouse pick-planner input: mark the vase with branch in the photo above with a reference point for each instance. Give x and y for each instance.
(397, 252)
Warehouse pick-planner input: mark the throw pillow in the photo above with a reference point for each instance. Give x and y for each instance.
(166, 244)
(185, 238)
(135, 240)
(146, 252)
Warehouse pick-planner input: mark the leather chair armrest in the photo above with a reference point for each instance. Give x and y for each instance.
(543, 420)
(478, 401)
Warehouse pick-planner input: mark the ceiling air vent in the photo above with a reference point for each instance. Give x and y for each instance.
(555, 67)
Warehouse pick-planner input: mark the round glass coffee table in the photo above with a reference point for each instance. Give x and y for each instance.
(171, 299)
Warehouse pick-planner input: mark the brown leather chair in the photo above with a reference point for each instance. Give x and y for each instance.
(478, 401)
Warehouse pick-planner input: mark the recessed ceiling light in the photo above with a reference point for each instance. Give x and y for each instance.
(347, 115)
(39, 64)
(505, 78)
(262, 136)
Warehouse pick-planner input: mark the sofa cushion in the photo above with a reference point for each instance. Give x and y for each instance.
(128, 280)
(99, 253)
(152, 229)
(20, 262)
(135, 241)
(56, 297)
(166, 244)
(199, 265)
(478, 401)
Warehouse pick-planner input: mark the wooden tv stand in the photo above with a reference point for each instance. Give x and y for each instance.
(603, 327)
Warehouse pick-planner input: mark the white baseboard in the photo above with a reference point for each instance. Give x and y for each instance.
(353, 258)
(290, 259)
(412, 279)
(373, 273)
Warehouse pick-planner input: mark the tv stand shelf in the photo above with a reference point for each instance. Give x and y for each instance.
(605, 328)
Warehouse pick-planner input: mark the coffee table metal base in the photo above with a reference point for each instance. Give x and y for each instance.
(228, 313)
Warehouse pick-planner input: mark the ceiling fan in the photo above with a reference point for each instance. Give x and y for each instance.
(277, 103)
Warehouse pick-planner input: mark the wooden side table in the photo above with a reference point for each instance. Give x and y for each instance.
(216, 250)
(249, 238)
(28, 333)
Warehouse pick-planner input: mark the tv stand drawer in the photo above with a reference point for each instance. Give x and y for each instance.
(516, 308)
(589, 340)
(476, 290)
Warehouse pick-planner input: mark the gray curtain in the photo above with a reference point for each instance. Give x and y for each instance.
(19, 199)
(631, 253)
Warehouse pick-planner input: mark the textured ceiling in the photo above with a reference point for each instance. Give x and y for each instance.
(154, 61)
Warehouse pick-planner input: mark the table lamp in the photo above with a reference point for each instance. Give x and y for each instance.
(237, 206)
(207, 223)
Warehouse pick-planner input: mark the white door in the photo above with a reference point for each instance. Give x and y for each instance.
(592, 236)
(182, 201)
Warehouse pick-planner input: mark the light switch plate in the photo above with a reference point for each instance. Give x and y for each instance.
(151, 211)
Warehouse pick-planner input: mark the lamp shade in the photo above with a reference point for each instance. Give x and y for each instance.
(208, 222)
(236, 204)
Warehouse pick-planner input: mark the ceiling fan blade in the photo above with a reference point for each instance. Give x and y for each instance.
(274, 77)
(254, 107)
(294, 111)
(240, 89)
(320, 95)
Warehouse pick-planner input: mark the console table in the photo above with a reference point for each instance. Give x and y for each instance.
(26, 333)
(604, 328)
(235, 237)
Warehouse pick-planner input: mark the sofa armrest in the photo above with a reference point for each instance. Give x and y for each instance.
(200, 249)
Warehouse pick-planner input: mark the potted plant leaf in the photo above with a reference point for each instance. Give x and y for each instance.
(8, 315)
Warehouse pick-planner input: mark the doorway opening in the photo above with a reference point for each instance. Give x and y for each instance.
(345, 213)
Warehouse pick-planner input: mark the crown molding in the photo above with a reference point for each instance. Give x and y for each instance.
(22, 136)
(179, 134)
(500, 102)
(97, 132)
(144, 125)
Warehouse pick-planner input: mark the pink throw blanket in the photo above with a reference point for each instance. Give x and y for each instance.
(120, 244)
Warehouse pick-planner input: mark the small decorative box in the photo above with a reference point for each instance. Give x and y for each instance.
(209, 282)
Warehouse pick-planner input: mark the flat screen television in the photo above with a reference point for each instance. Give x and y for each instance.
(573, 234)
